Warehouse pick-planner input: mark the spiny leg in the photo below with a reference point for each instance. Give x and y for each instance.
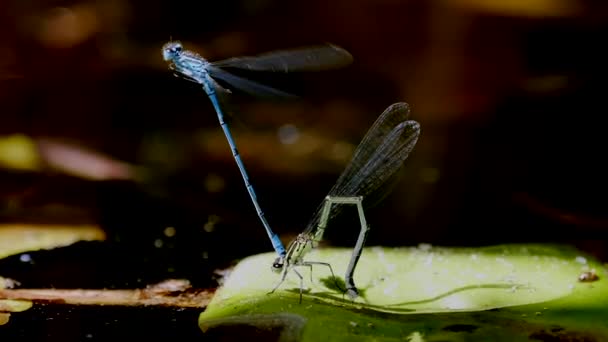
(333, 275)
(184, 77)
(283, 276)
(310, 271)
(301, 283)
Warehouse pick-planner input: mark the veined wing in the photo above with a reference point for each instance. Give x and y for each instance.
(248, 86)
(315, 58)
(377, 158)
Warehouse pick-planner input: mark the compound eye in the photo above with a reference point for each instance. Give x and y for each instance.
(177, 48)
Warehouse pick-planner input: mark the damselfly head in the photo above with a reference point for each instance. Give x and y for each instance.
(277, 265)
(171, 50)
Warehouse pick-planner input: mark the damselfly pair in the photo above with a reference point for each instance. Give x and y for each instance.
(377, 158)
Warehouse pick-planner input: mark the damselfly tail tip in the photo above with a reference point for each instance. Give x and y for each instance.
(277, 265)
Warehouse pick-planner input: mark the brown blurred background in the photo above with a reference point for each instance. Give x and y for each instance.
(510, 96)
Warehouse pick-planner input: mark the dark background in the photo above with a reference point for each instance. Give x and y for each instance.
(510, 97)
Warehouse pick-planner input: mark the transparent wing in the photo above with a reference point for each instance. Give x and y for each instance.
(314, 58)
(377, 158)
(250, 87)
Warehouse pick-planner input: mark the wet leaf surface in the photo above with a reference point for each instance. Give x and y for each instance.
(498, 293)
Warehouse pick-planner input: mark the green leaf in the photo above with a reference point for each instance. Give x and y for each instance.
(498, 293)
